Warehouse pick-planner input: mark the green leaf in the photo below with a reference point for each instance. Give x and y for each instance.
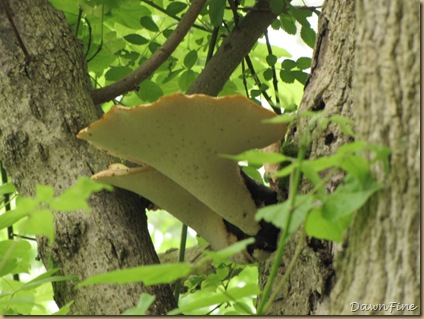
(348, 198)
(301, 16)
(286, 171)
(276, 24)
(271, 59)
(288, 64)
(190, 59)
(149, 275)
(216, 12)
(287, 76)
(225, 253)
(7, 188)
(150, 91)
(283, 118)
(258, 157)
(279, 213)
(75, 197)
(276, 6)
(303, 63)
(14, 256)
(136, 39)
(44, 192)
(64, 310)
(45, 278)
(40, 222)
(308, 35)
(319, 227)
(186, 79)
(300, 76)
(143, 305)
(10, 217)
(288, 24)
(153, 46)
(357, 166)
(253, 174)
(148, 23)
(200, 300)
(171, 75)
(116, 73)
(175, 7)
(255, 92)
(268, 74)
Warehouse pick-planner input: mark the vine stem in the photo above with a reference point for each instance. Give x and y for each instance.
(294, 185)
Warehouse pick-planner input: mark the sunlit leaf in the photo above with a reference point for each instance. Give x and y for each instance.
(75, 197)
(7, 188)
(143, 305)
(319, 227)
(231, 250)
(64, 310)
(345, 200)
(40, 222)
(14, 256)
(279, 213)
(201, 301)
(149, 275)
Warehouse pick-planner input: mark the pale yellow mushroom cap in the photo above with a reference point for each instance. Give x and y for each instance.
(182, 137)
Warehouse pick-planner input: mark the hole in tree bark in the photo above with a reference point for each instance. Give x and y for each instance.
(329, 138)
(319, 106)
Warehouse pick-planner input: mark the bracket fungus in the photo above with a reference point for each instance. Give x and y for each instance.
(181, 138)
(167, 194)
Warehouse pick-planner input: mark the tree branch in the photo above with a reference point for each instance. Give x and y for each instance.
(132, 80)
(233, 50)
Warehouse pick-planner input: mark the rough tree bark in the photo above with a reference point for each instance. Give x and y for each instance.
(366, 67)
(43, 104)
(381, 261)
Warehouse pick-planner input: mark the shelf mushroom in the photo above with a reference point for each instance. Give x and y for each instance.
(182, 138)
(151, 184)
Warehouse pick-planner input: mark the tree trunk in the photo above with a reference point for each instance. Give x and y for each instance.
(381, 261)
(44, 102)
(365, 67)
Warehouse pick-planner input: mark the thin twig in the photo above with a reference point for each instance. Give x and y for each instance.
(274, 73)
(243, 72)
(212, 43)
(258, 84)
(131, 81)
